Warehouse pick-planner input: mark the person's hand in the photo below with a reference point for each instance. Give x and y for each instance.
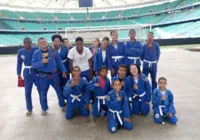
(127, 120)
(112, 71)
(52, 48)
(19, 77)
(64, 74)
(119, 98)
(45, 60)
(97, 85)
(122, 84)
(87, 107)
(73, 83)
(163, 98)
(106, 119)
(146, 103)
(170, 115)
(135, 87)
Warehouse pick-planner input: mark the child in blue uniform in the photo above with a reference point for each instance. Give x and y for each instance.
(116, 52)
(118, 109)
(75, 91)
(46, 62)
(24, 56)
(141, 92)
(101, 56)
(163, 103)
(133, 52)
(150, 58)
(100, 86)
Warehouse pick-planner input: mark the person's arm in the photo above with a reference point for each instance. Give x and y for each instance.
(125, 107)
(92, 85)
(95, 63)
(171, 108)
(143, 52)
(67, 89)
(89, 57)
(112, 104)
(158, 53)
(155, 99)
(70, 59)
(36, 62)
(148, 90)
(19, 65)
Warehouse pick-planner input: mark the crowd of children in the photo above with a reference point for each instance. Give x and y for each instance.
(129, 91)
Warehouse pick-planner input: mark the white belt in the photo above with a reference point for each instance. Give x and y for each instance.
(160, 109)
(134, 58)
(64, 60)
(150, 62)
(141, 95)
(75, 97)
(118, 116)
(117, 58)
(100, 98)
(28, 67)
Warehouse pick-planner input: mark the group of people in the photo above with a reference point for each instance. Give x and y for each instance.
(79, 76)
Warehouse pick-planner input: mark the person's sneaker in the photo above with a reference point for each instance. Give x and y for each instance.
(43, 113)
(29, 113)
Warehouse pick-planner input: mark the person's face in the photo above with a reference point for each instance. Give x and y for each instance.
(104, 44)
(122, 71)
(42, 43)
(76, 72)
(27, 43)
(79, 45)
(57, 42)
(117, 86)
(95, 43)
(150, 37)
(132, 35)
(162, 84)
(134, 70)
(104, 73)
(114, 36)
(66, 43)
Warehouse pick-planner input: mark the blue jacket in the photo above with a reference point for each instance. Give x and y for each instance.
(63, 55)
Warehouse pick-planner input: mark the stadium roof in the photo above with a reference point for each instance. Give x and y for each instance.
(73, 4)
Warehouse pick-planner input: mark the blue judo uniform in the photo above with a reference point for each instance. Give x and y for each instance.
(100, 96)
(49, 75)
(133, 52)
(29, 74)
(150, 58)
(117, 111)
(162, 108)
(98, 60)
(116, 57)
(76, 98)
(63, 55)
(141, 95)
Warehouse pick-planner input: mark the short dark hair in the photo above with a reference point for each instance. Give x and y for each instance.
(150, 32)
(106, 38)
(27, 38)
(111, 32)
(115, 80)
(162, 78)
(104, 68)
(41, 38)
(79, 39)
(122, 66)
(132, 30)
(56, 36)
(77, 67)
(65, 39)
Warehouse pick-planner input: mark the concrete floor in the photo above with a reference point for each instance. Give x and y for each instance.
(181, 67)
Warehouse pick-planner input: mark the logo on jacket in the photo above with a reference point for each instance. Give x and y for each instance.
(22, 57)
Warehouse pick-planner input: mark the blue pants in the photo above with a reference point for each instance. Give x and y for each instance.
(159, 119)
(153, 73)
(86, 74)
(71, 107)
(140, 107)
(45, 82)
(95, 111)
(113, 124)
(28, 84)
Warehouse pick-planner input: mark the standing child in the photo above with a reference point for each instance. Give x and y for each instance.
(118, 108)
(75, 92)
(101, 56)
(100, 86)
(163, 103)
(141, 92)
